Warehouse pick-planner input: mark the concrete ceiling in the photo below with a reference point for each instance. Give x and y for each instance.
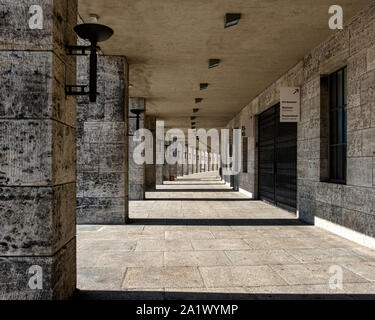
(168, 44)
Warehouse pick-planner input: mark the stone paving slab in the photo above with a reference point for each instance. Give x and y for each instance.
(196, 258)
(215, 249)
(172, 277)
(242, 276)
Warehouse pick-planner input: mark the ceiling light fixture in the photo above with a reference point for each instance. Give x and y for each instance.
(231, 19)
(198, 100)
(203, 86)
(212, 63)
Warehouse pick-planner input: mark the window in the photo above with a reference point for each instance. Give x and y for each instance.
(244, 154)
(337, 126)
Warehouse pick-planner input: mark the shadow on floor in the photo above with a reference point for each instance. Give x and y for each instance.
(193, 184)
(198, 199)
(194, 190)
(219, 222)
(161, 295)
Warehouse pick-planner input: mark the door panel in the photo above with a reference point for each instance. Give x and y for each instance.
(277, 160)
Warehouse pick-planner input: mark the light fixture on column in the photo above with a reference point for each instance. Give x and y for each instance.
(137, 113)
(231, 19)
(94, 33)
(212, 63)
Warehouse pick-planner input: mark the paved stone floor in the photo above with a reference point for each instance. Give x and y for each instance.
(195, 238)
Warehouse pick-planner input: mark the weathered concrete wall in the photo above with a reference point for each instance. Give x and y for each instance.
(102, 145)
(137, 179)
(37, 150)
(351, 205)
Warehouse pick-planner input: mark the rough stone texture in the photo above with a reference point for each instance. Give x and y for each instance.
(59, 275)
(37, 143)
(137, 179)
(102, 144)
(351, 205)
(36, 221)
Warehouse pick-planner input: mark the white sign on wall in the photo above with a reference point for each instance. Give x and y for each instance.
(290, 103)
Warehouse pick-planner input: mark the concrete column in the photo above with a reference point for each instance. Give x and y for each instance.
(150, 175)
(102, 145)
(205, 159)
(197, 161)
(159, 167)
(205, 165)
(137, 181)
(37, 158)
(216, 165)
(219, 162)
(173, 171)
(186, 164)
(190, 161)
(180, 166)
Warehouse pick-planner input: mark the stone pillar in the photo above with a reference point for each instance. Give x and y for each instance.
(37, 158)
(190, 161)
(186, 163)
(159, 167)
(216, 165)
(197, 160)
(150, 175)
(179, 165)
(167, 175)
(173, 171)
(102, 145)
(219, 167)
(208, 163)
(137, 181)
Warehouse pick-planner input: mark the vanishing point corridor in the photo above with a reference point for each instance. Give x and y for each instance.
(195, 238)
(174, 150)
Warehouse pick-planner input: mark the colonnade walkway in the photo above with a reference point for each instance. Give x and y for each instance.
(196, 238)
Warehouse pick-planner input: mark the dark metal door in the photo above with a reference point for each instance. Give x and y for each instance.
(277, 160)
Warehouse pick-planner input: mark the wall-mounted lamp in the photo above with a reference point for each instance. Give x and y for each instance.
(192, 118)
(94, 33)
(137, 113)
(198, 100)
(195, 110)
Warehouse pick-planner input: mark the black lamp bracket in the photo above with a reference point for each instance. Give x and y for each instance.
(72, 90)
(80, 90)
(79, 50)
(93, 33)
